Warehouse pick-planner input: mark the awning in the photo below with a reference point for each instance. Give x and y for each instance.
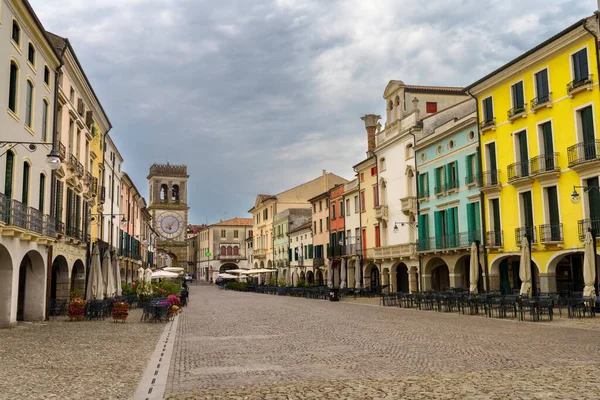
(164, 274)
(173, 269)
(259, 271)
(227, 276)
(237, 271)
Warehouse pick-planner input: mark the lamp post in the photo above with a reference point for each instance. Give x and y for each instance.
(52, 159)
(592, 229)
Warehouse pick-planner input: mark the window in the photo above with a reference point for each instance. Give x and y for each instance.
(236, 234)
(488, 110)
(382, 164)
(223, 234)
(12, 90)
(29, 105)
(431, 107)
(25, 194)
(265, 214)
(46, 75)
(423, 226)
(16, 33)
(523, 154)
(44, 120)
(31, 54)
(452, 175)
(542, 90)
(586, 125)
(8, 174)
(546, 162)
(314, 208)
(347, 207)
(362, 176)
(72, 95)
(320, 226)
(518, 98)
(362, 201)
(163, 193)
(342, 208)
(373, 171)
(223, 250)
(492, 164)
(580, 67)
(333, 211)
(356, 205)
(472, 167)
(377, 237)
(375, 195)
(552, 215)
(327, 223)
(175, 193)
(315, 227)
(473, 221)
(42, 193)
(440, 180)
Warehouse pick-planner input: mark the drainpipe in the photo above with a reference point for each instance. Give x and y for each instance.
(482, 199)
(360, 256)
(419, 280)
(597, 14)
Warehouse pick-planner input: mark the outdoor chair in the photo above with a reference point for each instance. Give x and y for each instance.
(494, 306)
(94, 309)
(528, 307)
(545, 306)
(162, 313)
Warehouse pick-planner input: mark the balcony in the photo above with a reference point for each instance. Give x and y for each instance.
(490, 180)
(447, 242)
(541, 102)
(16, 213)
(74, 233)
(260, 253)
(584, 225)
(75, 165)
(521, 232)
(35, 220)
(408, 205)
(544, 164)
(516, 112)
(318, 262)
(381, 212)
(336, 251)
(495, 239)
(62, 151)
(49, 226)
(102, 199)
(518, 172)
(551, 233)
(89, 179)
(229, 256)
(487, 125)
(584, 156)
(60, 227)
(580, 85)
(95, 186)
(406, 250)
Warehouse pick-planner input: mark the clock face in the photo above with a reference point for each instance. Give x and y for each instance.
(170, 225)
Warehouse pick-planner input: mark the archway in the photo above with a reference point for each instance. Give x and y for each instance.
(6, 279)
(32, 285)
(372, 276)
(402, 278)
(59, 281)
(319, 278)
(302, 276)
(569, 274)
(227, 267)
(262, 265)
(440, 278)
(78, 279)
(255, 265)
(310, 277)
(508, 269)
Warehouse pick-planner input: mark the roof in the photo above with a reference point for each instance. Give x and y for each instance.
(61, 44)
(301, 227)
(41, 28)
(319, 196)
(264, 197)
(236, 222)
(434, 89)
(368, 159)
(528, 53)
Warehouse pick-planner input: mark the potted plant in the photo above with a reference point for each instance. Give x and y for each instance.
(120, 311)
(76, 309)
(281, 290)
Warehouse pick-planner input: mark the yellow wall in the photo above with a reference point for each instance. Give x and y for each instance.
(368, 220)
(563, 117)
(96, 147)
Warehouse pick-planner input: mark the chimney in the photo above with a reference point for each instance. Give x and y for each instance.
(371, 121)
(325, 183)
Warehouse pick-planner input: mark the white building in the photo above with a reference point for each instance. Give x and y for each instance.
(352, 224)
(28, 94)
(110, 193)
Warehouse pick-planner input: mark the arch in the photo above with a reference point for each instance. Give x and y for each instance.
(26, 182)
(223, 251)
(568, 273)
(78, 279)
(390, 105)
(124, 275)
(438, 274)
(255, 264)
(164, 190)
(269, 264)
(262, 264)
(29, 103)
(402, 279)
(16, 32)
(302, 276)
(175, 193)
(410, 151)
(46, 75)
(397, 100)
(229, 250)
(236, 251)
(310, 277)
(227, 267)
(59, 281)
(557, 256)
(31, 287)
(6, 280)
(31, 53)
(372, 276)
(504, 273)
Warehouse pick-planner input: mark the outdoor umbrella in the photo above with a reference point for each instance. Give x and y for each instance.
(525, 268)
(163, 274)
(108, 276)
(589, 268)
(474, 269)
(140, 273)
(227, 276)
(148, 275)
(329, 274)
(95, 288)
(343, 274)
(117, 270)
(173, 269)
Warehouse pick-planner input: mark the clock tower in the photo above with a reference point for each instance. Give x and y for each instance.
(169, 209)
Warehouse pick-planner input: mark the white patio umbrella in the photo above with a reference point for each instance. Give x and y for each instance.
(343, 273)
(117, 275)
(108, 276)
(473, 269)
(227, 276)
(329, 274)
(95, 288)
(140, 273)
(163, 274)
(589, 266)
(525, 268)
(173, 269)
(148, 275)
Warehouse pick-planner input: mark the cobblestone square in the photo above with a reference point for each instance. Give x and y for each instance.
(232, 345)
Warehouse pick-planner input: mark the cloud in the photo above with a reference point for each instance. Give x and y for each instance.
(259, 96)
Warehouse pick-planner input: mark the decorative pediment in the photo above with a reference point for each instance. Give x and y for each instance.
(391, 87)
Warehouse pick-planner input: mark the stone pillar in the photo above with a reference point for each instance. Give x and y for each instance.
(343, 272)
(494, 282)
(352, 277)
(371, 127)
(357, 267)
(426, 282)
(547, 283)
(385, 278)
(393, 280)
(455, 280)
(413, 280)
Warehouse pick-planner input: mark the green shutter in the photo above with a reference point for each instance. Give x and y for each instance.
(594, 200)
(477, 215)
(289, 254)
(469, 169)
(528, 210)
(423, 232)
(310, 251)
(8, 175)
(470, 218)
(448, 176)
(438, 188)
(25, 194)
(439, 228)
(42, 192)
(450, 228)
(456, 184)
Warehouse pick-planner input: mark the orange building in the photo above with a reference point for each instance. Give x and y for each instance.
(337, 226)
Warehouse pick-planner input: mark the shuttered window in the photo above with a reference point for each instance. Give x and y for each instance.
(580, 65)
(8, 174)
(488, 110)
(26, 175)
(518, 97)
(12, 88)
(42, 193)
(541, 86)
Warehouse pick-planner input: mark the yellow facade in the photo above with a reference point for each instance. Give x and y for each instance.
(367, 178)
(97, 157)
(554, 245)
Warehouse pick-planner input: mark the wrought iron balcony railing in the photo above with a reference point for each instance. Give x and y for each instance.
(544, 163)
(579, 83)
(318, 262)
(490, 178)
(521, 232)
(584, 152)
(551, 233)
(583, 225)
(453, 241)
(17, 213)
(495, 238)
(49, 226)
(62, 150)
(516, 112)
(336, 250)
(488, 124)
(517, 171)
(35, 220)
(102, 199)
(541, 101)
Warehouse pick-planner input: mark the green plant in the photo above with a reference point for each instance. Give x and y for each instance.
(301, 283)
(74, 293)
(281, 282)
(166, 288)
(272, 282)
(239, 286)
(127, 289)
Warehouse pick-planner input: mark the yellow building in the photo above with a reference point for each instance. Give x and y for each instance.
(97, 165)
(537, 141)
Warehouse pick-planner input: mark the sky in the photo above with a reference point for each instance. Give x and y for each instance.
(258, 96)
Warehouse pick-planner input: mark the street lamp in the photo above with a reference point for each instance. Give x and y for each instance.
(94, 218)
(52, 159)
(411, 224)
(575, 198)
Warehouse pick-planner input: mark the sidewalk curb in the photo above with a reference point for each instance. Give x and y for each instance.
(154, 381)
